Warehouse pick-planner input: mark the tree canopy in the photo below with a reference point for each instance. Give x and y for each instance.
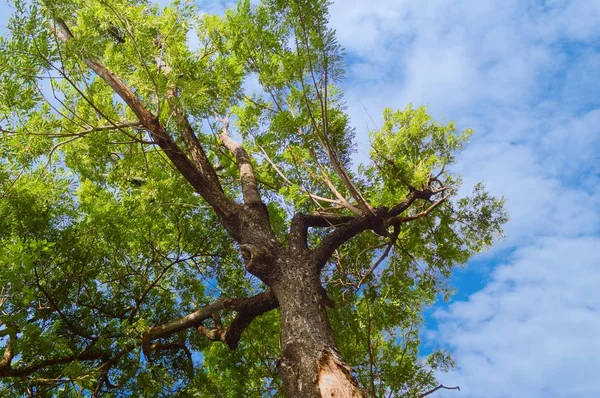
(165, 177)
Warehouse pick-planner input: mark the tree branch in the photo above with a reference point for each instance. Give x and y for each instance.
(290, 183)
(84, 132)
(401, 220)
(85, 355)
(247, 308)
(231, 334)
(393, 239)
(379, 221)
(350, 229)
(301, 222)
(191, 140)
(338, 167)
(277, 170)
(342, 234)
(441, 386)
(342, 200)
(250, 190)
(8, 351)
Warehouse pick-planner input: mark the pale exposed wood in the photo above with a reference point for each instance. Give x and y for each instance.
(250, 190)
(335, 379)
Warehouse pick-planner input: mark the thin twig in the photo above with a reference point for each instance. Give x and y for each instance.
(440, 387)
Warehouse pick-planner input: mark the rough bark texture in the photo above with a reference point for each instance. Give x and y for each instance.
(309, 364)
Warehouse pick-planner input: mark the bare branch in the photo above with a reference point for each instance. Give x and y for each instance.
(248, 180)
(332, 187)
(288, 182)
(322, 134)
(440, 387)
(268, 159)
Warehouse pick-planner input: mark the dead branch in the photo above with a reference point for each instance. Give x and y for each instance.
(440, 387)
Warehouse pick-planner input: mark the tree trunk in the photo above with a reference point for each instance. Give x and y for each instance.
(309, 365)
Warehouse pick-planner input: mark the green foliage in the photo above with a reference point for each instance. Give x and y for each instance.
(101, 238)
(409, 148)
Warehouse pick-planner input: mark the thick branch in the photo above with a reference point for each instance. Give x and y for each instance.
(252, 305)
(8, 351)
(298, 234)
(191, 140)
(85, 355)
(231, 334)
(379, 221)
(247, 308)
(301, 222)
(326, 220)
(406, 203)
(250, 190)
(342, 234)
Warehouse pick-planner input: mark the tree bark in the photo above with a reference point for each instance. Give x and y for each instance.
(309, 364)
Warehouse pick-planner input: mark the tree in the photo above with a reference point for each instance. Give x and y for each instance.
(153, 202)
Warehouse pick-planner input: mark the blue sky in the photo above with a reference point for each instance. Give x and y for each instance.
(525, 75)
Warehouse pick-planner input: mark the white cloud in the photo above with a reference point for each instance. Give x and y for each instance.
(532, 331)
(456, 54)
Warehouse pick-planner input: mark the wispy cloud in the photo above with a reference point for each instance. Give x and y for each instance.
(532, 331)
